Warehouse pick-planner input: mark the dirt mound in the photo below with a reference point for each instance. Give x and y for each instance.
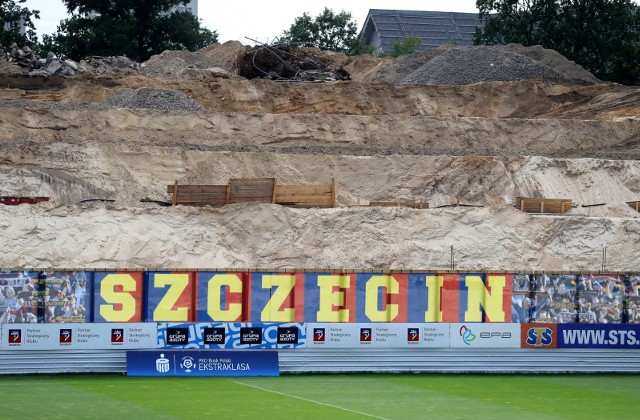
(170, 63)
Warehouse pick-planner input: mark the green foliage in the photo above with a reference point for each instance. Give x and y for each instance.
(326, 31)
(360, 47)
(405, 46)
(601, 35)
(11, 14)
(137, 29)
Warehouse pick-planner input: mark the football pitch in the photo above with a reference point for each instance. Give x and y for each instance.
(356, 396)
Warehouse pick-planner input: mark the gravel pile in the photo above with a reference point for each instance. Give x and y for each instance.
(465, 66)
(158, 99)
(142, 98)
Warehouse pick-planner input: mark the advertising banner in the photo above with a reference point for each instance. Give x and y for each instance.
(341, 335)
(202, 363)
(78, 336)
(600, 336)
(218, 335)
(485, 335)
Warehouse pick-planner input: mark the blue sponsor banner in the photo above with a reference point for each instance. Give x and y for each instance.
(202, 363)
(220, 335)
(599, 336)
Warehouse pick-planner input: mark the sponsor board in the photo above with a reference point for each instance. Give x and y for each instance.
(538, 336)
(599, 336)
(476, 335)
(78, 336)
(378, 335)
(202, 363)
(219, 335)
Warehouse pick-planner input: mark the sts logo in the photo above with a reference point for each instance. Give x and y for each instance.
(538, 336)
(117, 336)
(319, 335)
(413, 335)
(365, 335)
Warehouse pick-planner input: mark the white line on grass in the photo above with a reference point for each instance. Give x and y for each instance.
(309, 400)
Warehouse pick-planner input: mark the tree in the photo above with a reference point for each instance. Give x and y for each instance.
(601, 35)
(11, 17)
(137, 29)
(326, 31)
(405, 46)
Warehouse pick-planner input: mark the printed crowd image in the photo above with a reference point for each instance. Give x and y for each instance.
(43, 297)
(571, 298)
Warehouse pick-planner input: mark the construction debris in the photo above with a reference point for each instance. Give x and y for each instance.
(287, 62)
(27, 59)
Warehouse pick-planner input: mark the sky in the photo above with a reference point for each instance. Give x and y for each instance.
(265, 20)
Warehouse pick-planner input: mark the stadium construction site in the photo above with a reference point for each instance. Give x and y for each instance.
(458, 210)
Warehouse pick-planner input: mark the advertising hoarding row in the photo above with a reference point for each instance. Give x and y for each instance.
(78, 336)
(311, 297)
(291, 336)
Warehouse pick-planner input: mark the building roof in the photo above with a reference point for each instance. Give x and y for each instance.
(433, 28)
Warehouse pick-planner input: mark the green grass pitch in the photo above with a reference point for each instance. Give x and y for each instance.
(357, 396)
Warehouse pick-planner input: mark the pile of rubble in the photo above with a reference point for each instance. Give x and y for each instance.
(102, 66)
(26, 58)
(287, 62)
(33, 65)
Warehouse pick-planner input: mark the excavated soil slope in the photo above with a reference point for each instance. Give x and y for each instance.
(97, 155)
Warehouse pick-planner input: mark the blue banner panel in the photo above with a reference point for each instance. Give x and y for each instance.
(599, 336)
(202, 363)
(219, 335)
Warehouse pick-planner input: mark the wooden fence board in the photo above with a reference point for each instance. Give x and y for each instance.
(254, 190)
(543, 205)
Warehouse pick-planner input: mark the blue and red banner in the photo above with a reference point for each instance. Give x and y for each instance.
(318, 297)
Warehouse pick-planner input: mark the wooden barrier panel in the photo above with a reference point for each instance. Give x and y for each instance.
(306, 196)
(634, 205)
(198, 195)
(543, 205)
(255, 190)
(251, 190)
